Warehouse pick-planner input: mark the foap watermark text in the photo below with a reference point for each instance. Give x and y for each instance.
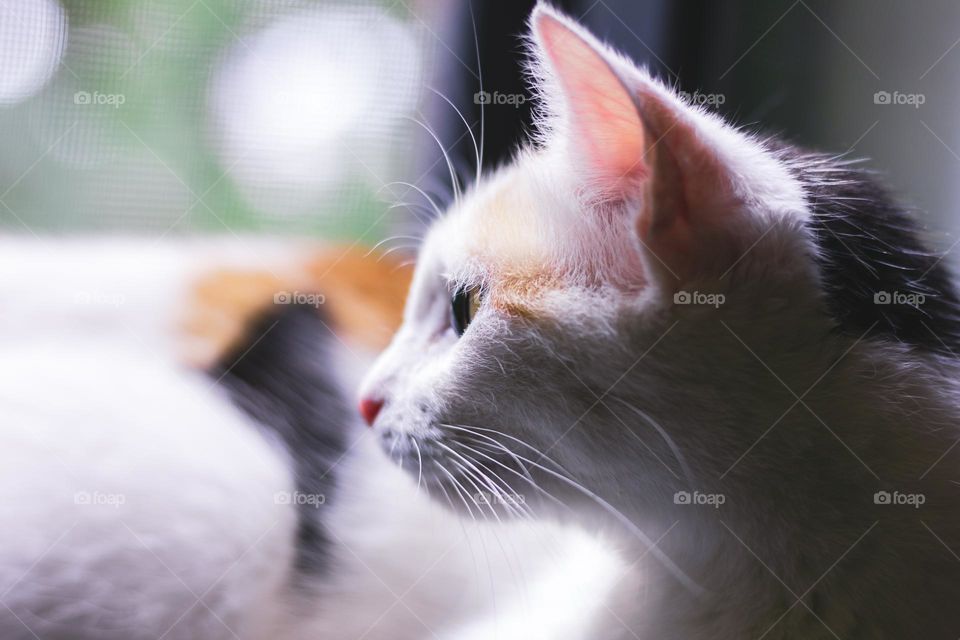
(496, 98)
(897, 498)
(909, 299)
(897, 98)
(703, 99)
(300, 499)
(99, 499)
(115, 100)
(698, 298)
(485, 497)
(299, 297)
(698, 498)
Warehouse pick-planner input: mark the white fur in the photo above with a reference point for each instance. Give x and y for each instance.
(137, 502)
(639, 398)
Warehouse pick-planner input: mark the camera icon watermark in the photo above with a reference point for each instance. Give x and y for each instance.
(698, 298)
(300, 499)
(914, 100)
(696, 98)
(696, 498)
(99, 298)
(299, 297)
(497, 98)
(99, 498)
(115, 100)
(915, 500)
(486, 498)
(911, 299)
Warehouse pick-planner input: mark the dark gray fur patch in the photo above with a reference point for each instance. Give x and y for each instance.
(282, 377)
(868, 245)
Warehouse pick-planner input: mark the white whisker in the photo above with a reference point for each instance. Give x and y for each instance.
(456, 487)
(669, 564)
(477, 498)
(397, 248)
(542, 455)
(389, 239)
(681, 460)
(423, 193)
(525, 477)
(419, 463)
(404, 264)
(473, 138)
(504, 498)
(664, 560)
(476, 47)
(454, 180)
(413, 207)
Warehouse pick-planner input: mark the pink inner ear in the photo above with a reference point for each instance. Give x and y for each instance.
(607, 125)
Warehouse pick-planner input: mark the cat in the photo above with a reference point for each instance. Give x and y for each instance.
(733, 356)
(180, 458)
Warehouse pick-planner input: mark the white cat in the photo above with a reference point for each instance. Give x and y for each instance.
(734, 353)
(730, 358)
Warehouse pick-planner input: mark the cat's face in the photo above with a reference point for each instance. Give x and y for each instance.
(565, 299)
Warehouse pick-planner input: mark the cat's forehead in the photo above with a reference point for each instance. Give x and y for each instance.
(505, 233)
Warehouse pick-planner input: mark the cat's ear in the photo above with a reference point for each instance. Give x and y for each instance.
(633, 139)
(598, 115)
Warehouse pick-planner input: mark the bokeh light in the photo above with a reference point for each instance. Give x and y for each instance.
(33, 35)
(293, 106)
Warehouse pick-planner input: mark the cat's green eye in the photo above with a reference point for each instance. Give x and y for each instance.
(463, 307)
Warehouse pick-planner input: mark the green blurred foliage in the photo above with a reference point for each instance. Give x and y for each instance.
(59, 164)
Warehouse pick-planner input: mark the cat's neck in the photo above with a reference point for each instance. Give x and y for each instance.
(775, 497)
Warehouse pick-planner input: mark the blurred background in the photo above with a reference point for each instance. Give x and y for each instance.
(173, 117)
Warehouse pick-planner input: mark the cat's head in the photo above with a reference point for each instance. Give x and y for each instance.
(573, 300)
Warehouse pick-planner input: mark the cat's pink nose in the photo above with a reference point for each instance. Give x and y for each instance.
(369, 408)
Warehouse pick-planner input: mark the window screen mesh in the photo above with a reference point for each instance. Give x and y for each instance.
(180, 116)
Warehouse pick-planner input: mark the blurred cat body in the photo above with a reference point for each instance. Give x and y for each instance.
(146, 491)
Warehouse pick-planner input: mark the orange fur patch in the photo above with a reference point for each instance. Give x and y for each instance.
(362, 295)
(509, 239)
(365, 294)
(517, 295)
